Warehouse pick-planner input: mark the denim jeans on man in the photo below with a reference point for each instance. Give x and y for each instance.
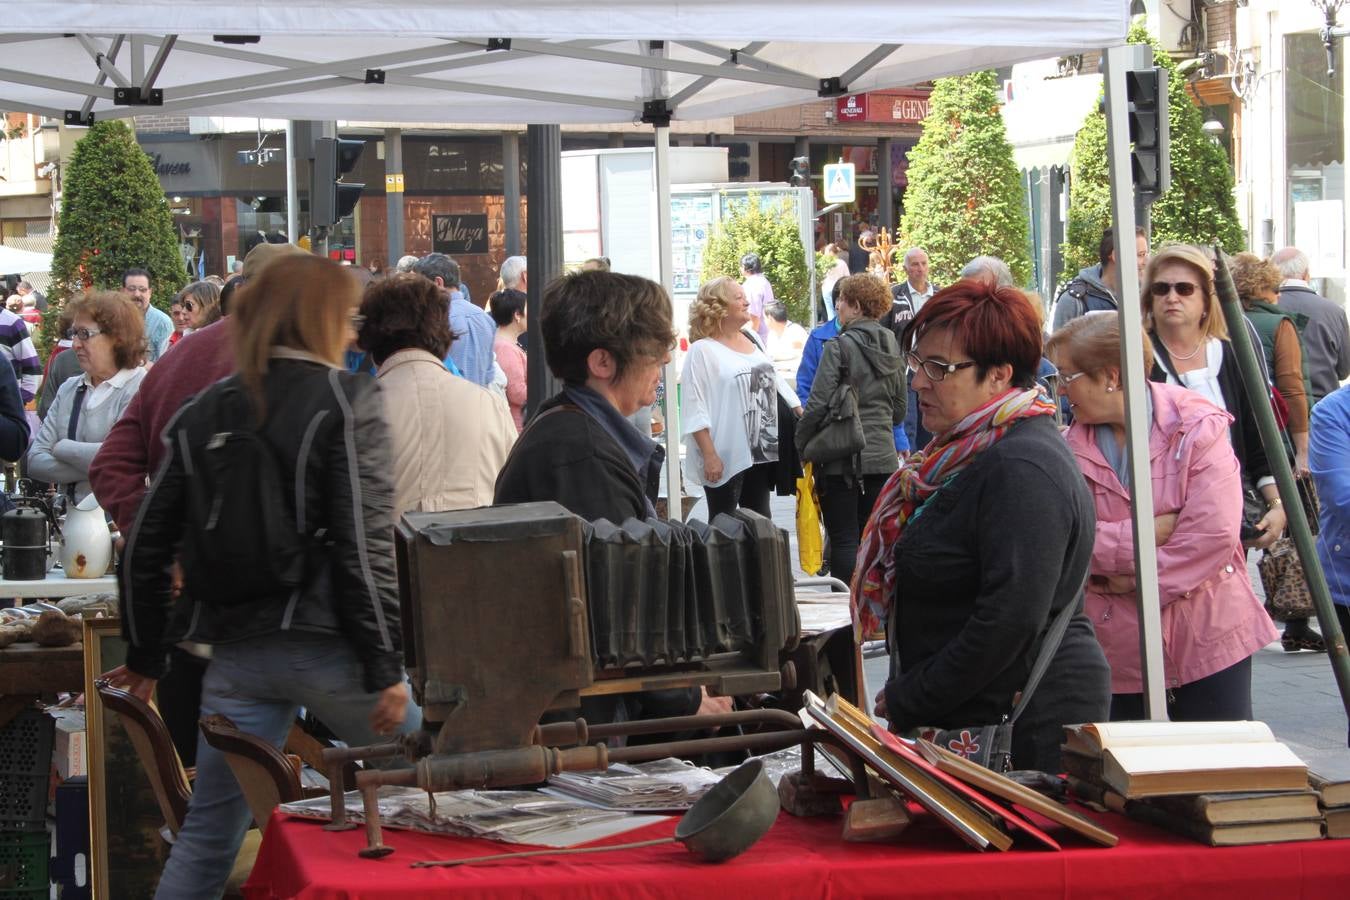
(259, 684)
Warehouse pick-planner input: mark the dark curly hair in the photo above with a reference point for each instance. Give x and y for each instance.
(626, 315)
(405, 312)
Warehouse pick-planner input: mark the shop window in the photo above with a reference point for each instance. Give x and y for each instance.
(1315, 156)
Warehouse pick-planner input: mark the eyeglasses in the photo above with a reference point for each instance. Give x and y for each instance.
(1068, 378)
(83, 334)
(935, 370)
(1163, 288)
(358, 321)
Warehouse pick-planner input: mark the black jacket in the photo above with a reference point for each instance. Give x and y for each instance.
(1243, 431)
(983, 569)
(568, 457)
(328, 429)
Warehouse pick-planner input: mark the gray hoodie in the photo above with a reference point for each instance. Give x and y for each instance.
(1086, 293)
(876, 371)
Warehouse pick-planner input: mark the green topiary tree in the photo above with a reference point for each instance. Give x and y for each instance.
(114, 217)
(1198, 208)
(771, 230)
(965, 197)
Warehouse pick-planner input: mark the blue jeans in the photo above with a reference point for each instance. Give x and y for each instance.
(259, 684)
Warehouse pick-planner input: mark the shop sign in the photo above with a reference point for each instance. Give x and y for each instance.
(164, 167)
(852, 108)
(456, 233)
(911, 108)
(883, 107)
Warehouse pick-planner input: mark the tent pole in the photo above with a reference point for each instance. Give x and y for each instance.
(292, 192)
(666, 259)
(1258, 396)
(544, 250)
(1133, 376)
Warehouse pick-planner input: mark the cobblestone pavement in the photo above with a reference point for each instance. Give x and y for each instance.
(1294, 693)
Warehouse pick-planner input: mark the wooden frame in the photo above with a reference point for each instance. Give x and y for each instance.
(124, 817)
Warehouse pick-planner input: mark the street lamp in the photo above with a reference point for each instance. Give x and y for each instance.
(1330, 32)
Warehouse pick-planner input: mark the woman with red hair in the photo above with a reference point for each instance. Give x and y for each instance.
(983, 538)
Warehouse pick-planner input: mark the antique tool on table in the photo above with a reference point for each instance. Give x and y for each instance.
(509, 612)
(725, 822)
(26, 533)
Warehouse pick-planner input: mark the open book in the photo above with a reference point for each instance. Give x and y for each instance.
(1149, 759)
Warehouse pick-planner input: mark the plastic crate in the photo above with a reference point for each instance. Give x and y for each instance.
(25, 770)
(23, 864)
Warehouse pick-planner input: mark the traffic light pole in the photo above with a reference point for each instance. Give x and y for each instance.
(1118, 61)
(393, 193)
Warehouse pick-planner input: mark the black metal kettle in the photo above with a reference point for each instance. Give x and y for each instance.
(27, 540)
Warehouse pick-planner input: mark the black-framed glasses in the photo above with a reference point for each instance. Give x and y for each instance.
(1163, 288)
(934, 369)
(83, 334)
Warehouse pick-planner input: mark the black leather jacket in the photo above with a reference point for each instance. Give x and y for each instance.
(328, 429)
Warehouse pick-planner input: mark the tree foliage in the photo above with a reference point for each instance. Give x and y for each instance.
(114, 217)
(1198, 208)
(769, 229)
(965, 196)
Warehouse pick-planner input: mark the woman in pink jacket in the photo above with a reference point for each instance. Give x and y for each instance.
(1212, 622)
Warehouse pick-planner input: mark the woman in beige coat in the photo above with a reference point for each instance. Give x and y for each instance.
(449, 437)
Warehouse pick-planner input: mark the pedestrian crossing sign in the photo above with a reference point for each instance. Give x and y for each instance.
(839, 183)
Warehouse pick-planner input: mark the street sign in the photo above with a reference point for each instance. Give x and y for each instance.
(840, 183)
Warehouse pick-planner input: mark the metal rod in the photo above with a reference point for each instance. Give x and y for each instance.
(1133, 376)
(157, 64)
(666, 259)
(767, 742)
(292, 190)
(778, 717)
(1258, 398)
(665, 64)
(868, 62)
(101, 60)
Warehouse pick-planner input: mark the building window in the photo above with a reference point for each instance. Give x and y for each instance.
(1315, 156)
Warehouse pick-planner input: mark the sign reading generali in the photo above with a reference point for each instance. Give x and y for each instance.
(885, 107)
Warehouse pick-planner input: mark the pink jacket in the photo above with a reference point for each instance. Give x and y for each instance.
(1211, 619)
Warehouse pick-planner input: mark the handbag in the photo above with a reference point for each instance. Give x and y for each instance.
(840, 434)
(990, 746)
(1287, 594)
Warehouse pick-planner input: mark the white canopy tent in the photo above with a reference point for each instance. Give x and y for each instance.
(24, 262)
(528, 61)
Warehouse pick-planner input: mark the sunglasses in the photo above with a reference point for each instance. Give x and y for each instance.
(1163, 288)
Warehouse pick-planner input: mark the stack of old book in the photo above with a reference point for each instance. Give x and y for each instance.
(1221, 783)
(1334, 797)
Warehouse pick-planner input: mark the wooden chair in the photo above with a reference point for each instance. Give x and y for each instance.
(265, 774)
(169, 780)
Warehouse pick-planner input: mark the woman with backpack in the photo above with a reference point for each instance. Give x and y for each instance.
(275, 494)
(865, 355)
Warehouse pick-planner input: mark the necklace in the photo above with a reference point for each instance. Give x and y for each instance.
(1190, 355)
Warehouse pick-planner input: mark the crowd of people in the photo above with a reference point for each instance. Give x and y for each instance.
(981, 522)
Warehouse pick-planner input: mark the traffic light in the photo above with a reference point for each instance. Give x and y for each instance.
(330, 198)
(1150, 158)
(801, 172)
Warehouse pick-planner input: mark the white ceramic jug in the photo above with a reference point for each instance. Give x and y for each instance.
(86, 542)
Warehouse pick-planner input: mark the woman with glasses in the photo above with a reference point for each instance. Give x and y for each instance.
(1212, 622)
(201, 304)
(866, 353)
(729, 405)
(1191, 348)
(108, 341)
(982, 539)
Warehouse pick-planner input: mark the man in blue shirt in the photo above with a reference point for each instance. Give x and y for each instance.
(474, 329)
(158, 325)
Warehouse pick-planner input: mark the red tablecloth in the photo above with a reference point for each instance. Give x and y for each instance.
(802, 858)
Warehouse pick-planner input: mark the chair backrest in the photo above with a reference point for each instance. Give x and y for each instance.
(265, 775)
(154, 748)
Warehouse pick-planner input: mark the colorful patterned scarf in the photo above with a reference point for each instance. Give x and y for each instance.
(922, 474)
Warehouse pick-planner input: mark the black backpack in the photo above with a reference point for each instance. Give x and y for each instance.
(240, 540)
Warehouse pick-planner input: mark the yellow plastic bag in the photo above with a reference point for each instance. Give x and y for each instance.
(810, 542)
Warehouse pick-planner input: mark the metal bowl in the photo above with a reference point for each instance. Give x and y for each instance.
(732, 816)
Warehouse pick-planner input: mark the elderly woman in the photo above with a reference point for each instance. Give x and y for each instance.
(866, 354)
(332, 644)
(508, 311)
(108, 340)
(978, 543)
(1212, 622)
(729, 403)
(1190, 345)
(448, 437)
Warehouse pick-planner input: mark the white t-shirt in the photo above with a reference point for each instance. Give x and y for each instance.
(732, 395)
(785, 349)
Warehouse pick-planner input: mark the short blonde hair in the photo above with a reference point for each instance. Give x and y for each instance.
(1092, 344)
(1255, 278)
(1214, 324)
(710, 307)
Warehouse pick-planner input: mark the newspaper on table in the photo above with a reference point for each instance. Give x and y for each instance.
(514, 817)
(663, 785)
